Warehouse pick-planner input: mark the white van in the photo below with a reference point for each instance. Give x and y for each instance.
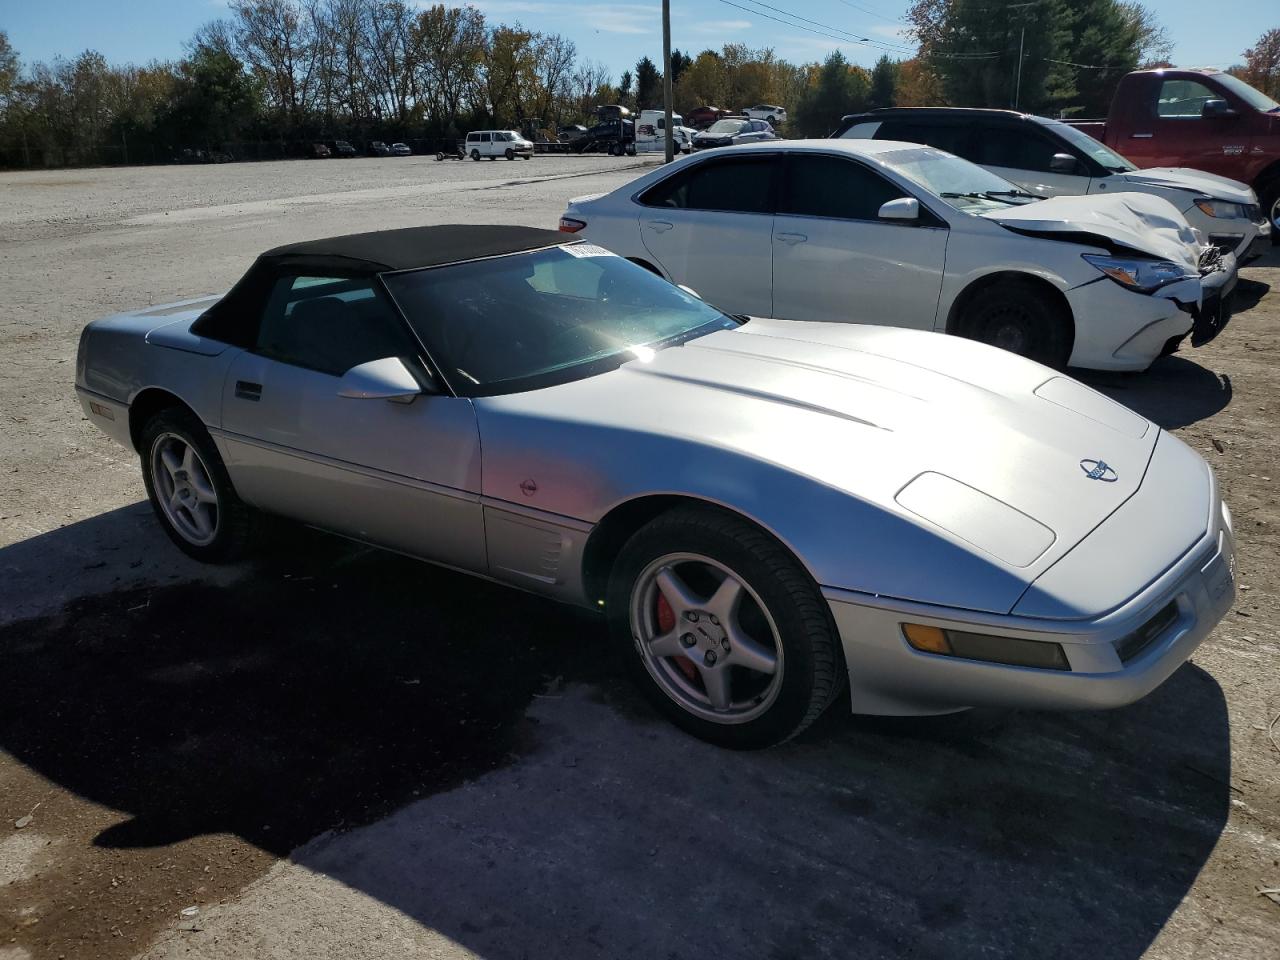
(651, 132)
(498, 143)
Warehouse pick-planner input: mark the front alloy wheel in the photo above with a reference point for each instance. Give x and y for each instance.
(706, 638)
(723, 629)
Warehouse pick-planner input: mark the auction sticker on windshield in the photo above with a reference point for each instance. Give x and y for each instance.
(588, 250)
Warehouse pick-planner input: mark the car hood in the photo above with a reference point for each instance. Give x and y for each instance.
(1136, 221)
(1195, 181)
(916, 442)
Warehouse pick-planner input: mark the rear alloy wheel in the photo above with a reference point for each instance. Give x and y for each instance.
(1017, 317)
(723, 629)
(190, 490)
(475, 154)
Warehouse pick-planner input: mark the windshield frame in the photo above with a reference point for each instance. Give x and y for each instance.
(1247, 92)
(580, 370)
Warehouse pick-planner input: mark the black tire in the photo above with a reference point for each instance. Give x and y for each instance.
(233, 528)
(475, 154)
(439, 156)
(510, 154)
(1017, 316)
(1269, 198)
(812, 672)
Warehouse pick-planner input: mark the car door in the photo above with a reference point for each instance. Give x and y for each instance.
(1181, 136)
(1023, 154)
(710, 225)
(834, 259)
(401, 475)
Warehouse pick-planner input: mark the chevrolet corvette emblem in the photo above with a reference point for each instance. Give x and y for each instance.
(1098, 470)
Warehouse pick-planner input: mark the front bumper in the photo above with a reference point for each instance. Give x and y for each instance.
(1211, 315)
(889, 677)
(108, 415)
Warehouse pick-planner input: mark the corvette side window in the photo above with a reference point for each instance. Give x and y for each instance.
(818, 186)
(330, 324)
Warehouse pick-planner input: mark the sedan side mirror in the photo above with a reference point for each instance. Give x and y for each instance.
(904, 208)
(1216, 108)
(385, 379)
(1063, 163)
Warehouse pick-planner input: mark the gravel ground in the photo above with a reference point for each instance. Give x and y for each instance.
(334, 752)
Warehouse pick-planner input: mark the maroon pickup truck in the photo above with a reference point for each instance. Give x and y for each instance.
(1203, 118)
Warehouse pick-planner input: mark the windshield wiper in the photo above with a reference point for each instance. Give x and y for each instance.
(1002, 196)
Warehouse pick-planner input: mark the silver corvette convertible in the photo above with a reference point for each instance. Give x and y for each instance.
(764, 510)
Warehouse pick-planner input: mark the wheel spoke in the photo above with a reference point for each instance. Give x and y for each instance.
(200, 518)
(189, 459)
(716, 681)
(667, 645)
(676, 591)
(201, 486)
(170, 459)
(724, 602)
(745, 652)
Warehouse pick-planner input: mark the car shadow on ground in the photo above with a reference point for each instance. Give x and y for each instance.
(332, 685)
(1174, 391)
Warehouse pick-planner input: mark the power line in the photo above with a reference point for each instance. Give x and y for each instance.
(854, 6)
(856, 38)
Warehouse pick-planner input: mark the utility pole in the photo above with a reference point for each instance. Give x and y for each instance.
(1017, 91)
(666, 78)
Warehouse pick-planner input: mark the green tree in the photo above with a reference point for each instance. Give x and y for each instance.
(884, 83)
(9, 68)
(837, 89)
(648, 85)
(678, 63)
(624, 88)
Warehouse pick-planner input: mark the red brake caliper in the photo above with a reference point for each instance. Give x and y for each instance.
(667, 623)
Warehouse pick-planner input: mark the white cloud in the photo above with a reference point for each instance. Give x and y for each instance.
(720, 26)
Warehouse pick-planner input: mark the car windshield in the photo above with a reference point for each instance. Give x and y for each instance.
(1254, 98)
(964, 185)
(531, 320)
(1086, 144)
(727, 128)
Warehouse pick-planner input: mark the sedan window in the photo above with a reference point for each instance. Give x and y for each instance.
(822, 186)
(735, 184)
(330, 324)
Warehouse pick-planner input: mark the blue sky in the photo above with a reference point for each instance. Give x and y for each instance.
(616, 33)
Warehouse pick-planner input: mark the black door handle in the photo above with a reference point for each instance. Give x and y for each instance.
(248, 391)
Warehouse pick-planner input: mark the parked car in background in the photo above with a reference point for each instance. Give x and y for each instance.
(766, 513)
(379, 149)
(732, 132)
(340, 148)
(775, 115)
(1204, 118)
(401, 150)
(1050, 158)
(498, 143)
(702, 117)
(873, 231)
(318, 151)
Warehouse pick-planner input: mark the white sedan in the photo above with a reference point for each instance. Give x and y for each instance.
(873, 231)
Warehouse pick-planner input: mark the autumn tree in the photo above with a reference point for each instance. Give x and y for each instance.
(1262, 64)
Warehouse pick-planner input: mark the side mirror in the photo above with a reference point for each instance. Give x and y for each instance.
(904, 208)
(1063, 163)
(385, 379)
(1216, 108)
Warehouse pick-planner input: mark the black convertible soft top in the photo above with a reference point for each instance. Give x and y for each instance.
(233, 318)
(411, 247)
